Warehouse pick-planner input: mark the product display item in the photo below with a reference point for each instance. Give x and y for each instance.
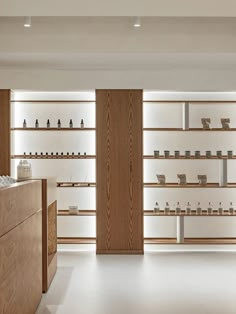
(225, 123)
(209, 208)
(166, 153)
(73, 210)
(24, 170)
(156, 153)
(6, 180)
(82, 123)
(182, 178)
(187, 154)
(177, 154)
(178, 208)
(206, 123)
(167, 208)
(199, 209)
(188, 209)
(161, 179)
(202, 179)
(157, 208)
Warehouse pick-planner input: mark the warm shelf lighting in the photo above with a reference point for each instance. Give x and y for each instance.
(27, 21)
(137, 22)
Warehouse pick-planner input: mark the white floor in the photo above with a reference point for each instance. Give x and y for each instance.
(156, 283)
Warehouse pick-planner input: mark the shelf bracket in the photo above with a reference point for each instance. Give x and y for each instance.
(185, 113)
(180, 229)
(223, 175)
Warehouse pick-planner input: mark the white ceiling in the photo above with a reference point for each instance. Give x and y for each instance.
(111, 43)
(172, 8)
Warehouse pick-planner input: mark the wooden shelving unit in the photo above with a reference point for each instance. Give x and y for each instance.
(223, 166)
(75, 141)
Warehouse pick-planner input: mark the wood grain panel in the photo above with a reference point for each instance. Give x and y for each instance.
(52, 228)
(5, 105)
(119, 171)
(15, 206)
(21, 267)
(49, 236)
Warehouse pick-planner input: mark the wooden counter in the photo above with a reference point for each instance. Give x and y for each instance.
(20, 247)
(49, 201)
(49, 228)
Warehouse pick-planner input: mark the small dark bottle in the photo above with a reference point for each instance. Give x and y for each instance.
(78, 153)
(36, 154)
(48, 123)
(57, 153)
(24, 124)
(24, 153)
(36, 123)
(51, 153)
(62, 154)
(82, 123)
(71, 123)
(59, 123)
(84, 153)
(41, 153)
(68, 153)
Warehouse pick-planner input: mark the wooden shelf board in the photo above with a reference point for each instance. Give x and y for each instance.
(76, 184)
(190, 129)
(188, 241)
(53, 101)
(53, 129)
(53, 157)
(214, 157)
(62, 240)
(192, 101)
(160, 240)
(193, 214)
(81, 212)
(189, 185)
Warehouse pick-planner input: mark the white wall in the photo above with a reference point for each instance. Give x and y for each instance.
(166, 80)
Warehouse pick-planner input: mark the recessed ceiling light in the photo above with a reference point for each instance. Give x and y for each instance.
(137, 22)
(27, 21)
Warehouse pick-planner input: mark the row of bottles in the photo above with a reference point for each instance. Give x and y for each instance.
(189, 154)
(188, 209)
(59, 125)
(54, 154)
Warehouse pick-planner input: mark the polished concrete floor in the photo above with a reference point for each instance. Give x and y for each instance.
(156, 283)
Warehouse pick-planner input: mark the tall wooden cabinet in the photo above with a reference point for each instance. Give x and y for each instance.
(119, 171)
(5, 104)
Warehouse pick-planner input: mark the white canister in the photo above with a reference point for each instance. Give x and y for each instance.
(24, 170)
